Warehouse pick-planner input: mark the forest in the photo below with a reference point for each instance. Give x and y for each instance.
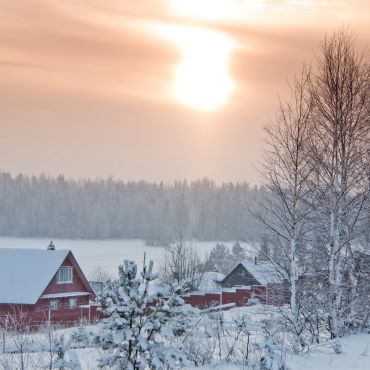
(41, 206)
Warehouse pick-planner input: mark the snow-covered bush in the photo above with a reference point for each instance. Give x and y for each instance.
(59, 354)
(80, 337)
(199, 349)
(272, 348)
(253, 300)
(137, 332)
(337, 347)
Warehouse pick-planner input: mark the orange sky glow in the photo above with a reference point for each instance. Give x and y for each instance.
(152, 89)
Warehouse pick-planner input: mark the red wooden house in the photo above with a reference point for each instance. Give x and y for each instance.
(39, 286)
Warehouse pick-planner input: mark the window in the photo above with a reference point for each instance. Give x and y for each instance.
(72, 303)
(53, 305)
(64, 275)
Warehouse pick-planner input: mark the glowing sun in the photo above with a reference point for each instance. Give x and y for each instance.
(201, 78)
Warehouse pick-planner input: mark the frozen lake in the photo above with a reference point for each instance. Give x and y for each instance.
(107, 254)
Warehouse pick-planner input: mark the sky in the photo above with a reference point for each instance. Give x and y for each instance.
(153, 89)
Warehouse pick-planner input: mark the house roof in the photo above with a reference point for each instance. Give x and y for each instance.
(210, 280)
(25, 273)
(264, 272)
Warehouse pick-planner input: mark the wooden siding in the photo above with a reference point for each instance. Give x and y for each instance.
(239, 276)
(237, 296)
(32, 316)
(78, 284)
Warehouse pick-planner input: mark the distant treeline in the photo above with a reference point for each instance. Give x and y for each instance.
(156, 212)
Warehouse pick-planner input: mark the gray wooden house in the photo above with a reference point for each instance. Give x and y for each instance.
(248, 273)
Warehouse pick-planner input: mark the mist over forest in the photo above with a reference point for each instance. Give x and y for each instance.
(103, 209)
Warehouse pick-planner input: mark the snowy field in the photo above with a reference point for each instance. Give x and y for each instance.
(106, 254)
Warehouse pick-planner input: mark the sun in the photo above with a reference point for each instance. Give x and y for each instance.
(202, 78)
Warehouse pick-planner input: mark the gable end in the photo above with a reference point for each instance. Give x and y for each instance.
(239, 276)
(79, 282)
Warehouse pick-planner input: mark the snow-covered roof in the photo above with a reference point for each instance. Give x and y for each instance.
(25, 273)
(264, 272)
(64, 295)
(210, 280)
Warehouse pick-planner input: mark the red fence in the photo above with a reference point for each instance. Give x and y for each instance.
(271, 294)
(22, 316)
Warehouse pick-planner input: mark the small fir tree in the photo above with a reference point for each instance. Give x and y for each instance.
(137, 331)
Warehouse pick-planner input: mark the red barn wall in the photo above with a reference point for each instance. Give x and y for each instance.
(203, 300)
(239, 296)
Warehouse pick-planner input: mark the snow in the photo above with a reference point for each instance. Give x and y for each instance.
(25, 273)
(322, 357)
(107, 254)
(264, 272)
(259, 312)
(65, 295)
(355, 348)
(210, 281)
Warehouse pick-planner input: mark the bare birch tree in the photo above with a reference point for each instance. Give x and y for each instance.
(182, 265)
(286, 208)
(340, 144)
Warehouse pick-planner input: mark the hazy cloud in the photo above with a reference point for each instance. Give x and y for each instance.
(85, 84)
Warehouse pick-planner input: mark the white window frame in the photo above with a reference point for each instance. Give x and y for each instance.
(65, 275)
(53, 305)
(74, 305)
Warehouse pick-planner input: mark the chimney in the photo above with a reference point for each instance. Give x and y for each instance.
(51, 246)
(255, 260)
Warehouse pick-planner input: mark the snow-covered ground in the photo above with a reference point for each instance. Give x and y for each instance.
(355, 348)
(106, 254)
(356, 351)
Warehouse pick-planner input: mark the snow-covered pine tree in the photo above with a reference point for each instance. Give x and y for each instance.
(221, 257)
(62, 355)
(80, 337)
(238, 252)
(137, 332)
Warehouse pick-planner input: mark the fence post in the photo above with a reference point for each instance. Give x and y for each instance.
(2, 341)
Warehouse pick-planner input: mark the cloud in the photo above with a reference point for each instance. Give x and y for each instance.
(88, 83)
(12, 63)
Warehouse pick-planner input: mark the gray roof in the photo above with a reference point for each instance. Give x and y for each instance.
(264, 272)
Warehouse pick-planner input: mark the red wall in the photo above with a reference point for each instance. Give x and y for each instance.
(30, 316)
(203, 300)
(77, 286)
(239, 296)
